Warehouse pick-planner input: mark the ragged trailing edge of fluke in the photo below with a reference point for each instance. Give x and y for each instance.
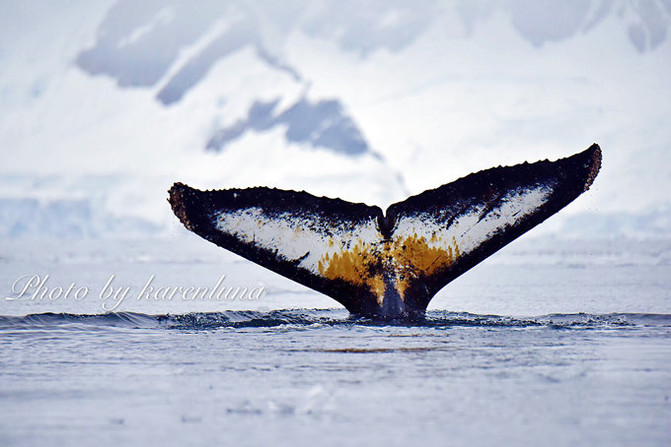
(385, 265)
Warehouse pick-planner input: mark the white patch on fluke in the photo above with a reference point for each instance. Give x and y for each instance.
(294, 237)
(472, 229)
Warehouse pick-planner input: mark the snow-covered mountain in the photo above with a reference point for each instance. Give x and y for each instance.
(103, 104)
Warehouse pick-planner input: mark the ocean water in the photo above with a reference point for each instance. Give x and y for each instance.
(549, 342)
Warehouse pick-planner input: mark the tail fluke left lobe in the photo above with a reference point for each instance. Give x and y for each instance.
(315, 241)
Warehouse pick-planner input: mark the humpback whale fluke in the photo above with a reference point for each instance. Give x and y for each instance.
(385, 265)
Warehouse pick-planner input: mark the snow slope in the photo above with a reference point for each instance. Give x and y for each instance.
(104, 104)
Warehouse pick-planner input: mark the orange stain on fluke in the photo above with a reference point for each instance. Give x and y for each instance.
(413, 258)
(356, 266)
(400, 261)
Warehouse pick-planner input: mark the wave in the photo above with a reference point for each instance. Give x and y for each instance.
(320, 317)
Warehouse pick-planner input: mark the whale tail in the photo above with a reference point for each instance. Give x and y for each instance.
(385, 265)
